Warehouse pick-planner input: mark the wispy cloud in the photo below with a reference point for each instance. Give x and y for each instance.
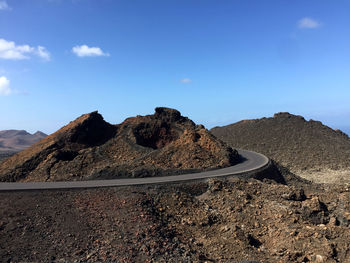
(308, 23)
(43, 53)
(4, 86)
(85, 51)
(4, 6)
(9, 50)
(186, 80)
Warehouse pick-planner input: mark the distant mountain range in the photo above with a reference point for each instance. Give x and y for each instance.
(17, 140)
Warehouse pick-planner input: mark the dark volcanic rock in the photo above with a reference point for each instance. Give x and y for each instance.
(290, 140)
(88, 148)
(89, 130)
(169, 115)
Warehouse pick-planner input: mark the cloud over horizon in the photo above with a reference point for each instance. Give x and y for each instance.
(86, 51)
(9, 50)
(308, 23)
(4, 5)
(4, 86)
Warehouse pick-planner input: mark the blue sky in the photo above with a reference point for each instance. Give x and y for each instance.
(217, 61)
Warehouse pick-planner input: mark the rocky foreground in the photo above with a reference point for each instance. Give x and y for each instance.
(232, 220)
(90, 148)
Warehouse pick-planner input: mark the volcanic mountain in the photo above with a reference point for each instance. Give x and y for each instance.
(89, 148)
(16, 140)
(292, 141)
(13, 141)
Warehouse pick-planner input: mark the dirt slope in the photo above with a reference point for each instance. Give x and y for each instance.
(90, 148)
(292, 141)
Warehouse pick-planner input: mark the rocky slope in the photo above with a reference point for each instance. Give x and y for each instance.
(238, 220)
(300, 145)
(6, 154)
(207, 221)
(90, 148)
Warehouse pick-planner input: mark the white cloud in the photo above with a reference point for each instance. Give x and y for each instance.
(43, 53)
(186, 80)
(4, 5)
(308, 23)
(85, 51)
(9, 50)
(4, 86)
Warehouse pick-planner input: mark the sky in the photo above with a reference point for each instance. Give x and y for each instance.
(216, 61)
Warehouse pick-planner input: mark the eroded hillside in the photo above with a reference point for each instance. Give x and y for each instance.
(90, 148)
(307, 148)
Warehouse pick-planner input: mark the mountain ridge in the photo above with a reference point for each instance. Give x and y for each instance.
(294, 142)
(17, 140)
(89, 148)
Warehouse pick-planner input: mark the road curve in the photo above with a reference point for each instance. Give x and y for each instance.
(251, 161)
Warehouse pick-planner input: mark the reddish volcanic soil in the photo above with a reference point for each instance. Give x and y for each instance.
(89, 148)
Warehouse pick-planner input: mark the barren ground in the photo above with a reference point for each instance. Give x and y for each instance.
(215, 221)
(307, 148)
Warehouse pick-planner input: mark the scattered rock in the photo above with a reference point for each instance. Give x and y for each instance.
(295, 195)
(244, 221)
(315, 211)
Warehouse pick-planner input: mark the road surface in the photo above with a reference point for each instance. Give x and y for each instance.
(251, 161)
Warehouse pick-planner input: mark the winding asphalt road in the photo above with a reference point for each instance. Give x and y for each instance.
(251, 161)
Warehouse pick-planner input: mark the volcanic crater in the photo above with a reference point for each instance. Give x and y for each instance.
(164, 143)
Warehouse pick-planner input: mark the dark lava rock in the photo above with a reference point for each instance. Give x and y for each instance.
(295, 195)
(290, 140)
(92, 130)
(88, 148)
(315, 211)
